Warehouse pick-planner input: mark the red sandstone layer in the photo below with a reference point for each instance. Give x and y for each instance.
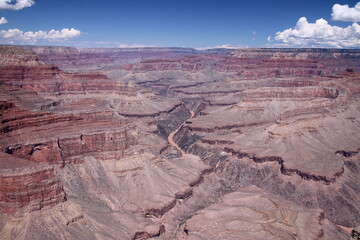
(26, 184)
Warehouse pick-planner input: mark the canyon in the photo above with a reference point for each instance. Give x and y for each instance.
(178, 143)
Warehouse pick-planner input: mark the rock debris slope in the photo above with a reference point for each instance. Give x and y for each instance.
(175, 143)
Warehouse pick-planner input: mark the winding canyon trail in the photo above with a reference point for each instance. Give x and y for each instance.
(172, 134)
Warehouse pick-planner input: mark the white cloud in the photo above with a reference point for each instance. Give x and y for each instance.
(16, 36)
(3, 20)
(15, 4)
(135, 45)
(227, 46)
(224, 46)
(63, 34)
(320, 34)
(345, 13)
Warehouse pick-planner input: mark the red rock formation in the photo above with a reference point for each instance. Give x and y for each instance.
(27, 186)
(95, 59)
(56, 145)
(252, 63)
(51, 79)
(18, 56)
(187, 63)
(29, 132)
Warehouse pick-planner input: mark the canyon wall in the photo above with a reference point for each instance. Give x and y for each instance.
(158, 142)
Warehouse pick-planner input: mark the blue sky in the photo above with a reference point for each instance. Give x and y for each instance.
(185, 23)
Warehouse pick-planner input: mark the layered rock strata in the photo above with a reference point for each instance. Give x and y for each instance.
(156, 143)
(24, 184)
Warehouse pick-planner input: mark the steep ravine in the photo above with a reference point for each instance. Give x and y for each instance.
(220, 184)
(172, 122)
(239, 170)
(172, 134)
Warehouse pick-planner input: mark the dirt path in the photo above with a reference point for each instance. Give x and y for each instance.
(172, 134)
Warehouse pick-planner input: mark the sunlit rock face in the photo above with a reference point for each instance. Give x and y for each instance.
(174, 143)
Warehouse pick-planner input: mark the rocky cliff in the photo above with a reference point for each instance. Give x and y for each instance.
(97, 59)
(27, 186)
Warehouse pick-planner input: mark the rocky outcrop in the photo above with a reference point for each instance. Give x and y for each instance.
(96, 59)
(119, 141)
(26, 186)
(173, 121)
(296, 53)
(18, 56)
(70, 150)
(251, 214)
(146, 235)
(188, 63)
(254, 63)
(50, 79)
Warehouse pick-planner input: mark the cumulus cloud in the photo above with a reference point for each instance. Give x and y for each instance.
(16, 36)
(15, 4)
(320, 34)
(3, 20)
(345, 13)
(224, 46)
(63, 34)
